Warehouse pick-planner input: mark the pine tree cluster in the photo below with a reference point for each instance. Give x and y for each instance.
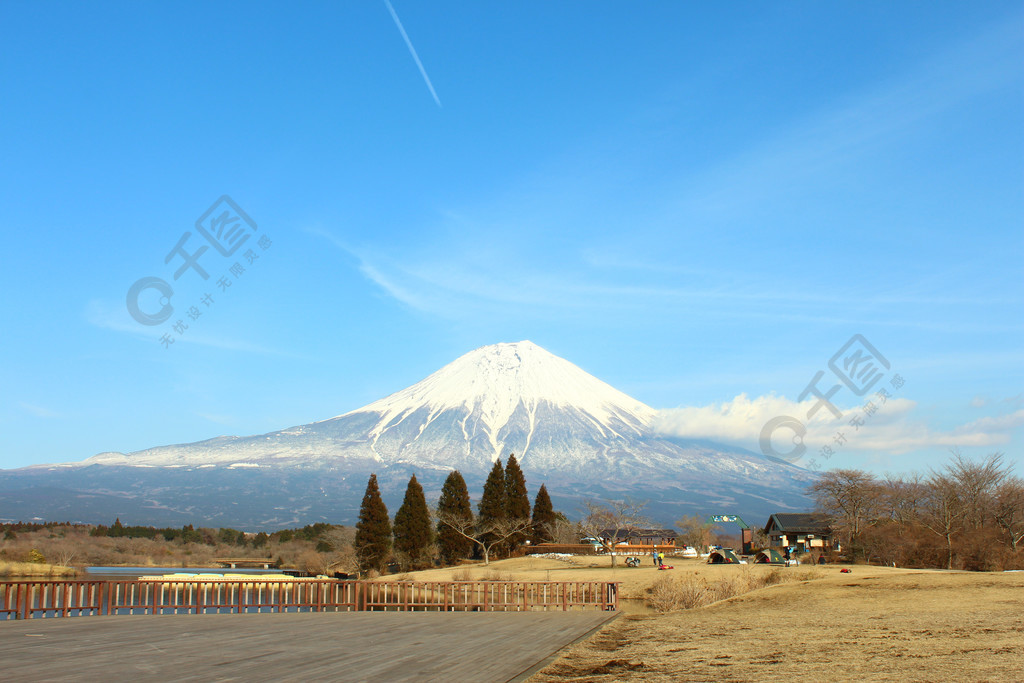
(414, 542)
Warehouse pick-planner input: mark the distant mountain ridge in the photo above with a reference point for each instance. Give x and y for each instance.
(581, 436)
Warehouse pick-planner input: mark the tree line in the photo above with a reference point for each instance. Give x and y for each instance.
(451, 532)
(223, 536)
(966, 515)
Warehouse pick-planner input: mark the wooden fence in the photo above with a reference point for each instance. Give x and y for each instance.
(34, 599)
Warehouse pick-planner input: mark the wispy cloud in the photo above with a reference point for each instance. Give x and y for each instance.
(453, 280)
(108, 316)
(892, 429)
(412, 51)
(462, 284)
(39, 411)
(859, 123)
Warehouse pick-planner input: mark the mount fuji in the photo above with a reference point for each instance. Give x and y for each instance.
(583, 438)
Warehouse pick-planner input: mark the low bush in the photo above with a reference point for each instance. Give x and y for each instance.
(689, 591)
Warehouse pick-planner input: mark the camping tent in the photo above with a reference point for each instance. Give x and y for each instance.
(723, 556)
(769, 556)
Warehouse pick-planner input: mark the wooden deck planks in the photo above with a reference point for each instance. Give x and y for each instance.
(355, 646)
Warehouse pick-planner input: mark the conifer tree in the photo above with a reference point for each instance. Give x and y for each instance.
(517, 500)
(543, 516)
(493, 507)
(373, 531)
(413, 534)
(454, 502)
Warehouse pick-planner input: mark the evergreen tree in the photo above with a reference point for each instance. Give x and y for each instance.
(373, 531)
(543, 516)
(454, 501)
(517, 500)
(413, 534)
(493, 506)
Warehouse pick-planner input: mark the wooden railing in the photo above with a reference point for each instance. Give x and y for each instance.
(34, 599)
(489, 596)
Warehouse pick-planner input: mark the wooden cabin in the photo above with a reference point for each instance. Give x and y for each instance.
(804, 531)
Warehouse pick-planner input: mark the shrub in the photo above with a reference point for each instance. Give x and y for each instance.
(462, 574)
(690, 591)
(670, 593)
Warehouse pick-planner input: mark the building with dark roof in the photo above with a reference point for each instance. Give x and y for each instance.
(640, 536)
(804, 531)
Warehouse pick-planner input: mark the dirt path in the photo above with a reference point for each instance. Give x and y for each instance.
(873, 624)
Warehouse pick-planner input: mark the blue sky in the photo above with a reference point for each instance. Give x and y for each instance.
(699, 205)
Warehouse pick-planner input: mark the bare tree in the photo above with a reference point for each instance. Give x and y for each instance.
(760, 538)
(900, 498)
(850, 498)
(1008, 510)
(943, 510)
(342, 557)
(65, 555)
(487, 535)
(697, 531)
(608, 520)
(977, 482)
(563, 531)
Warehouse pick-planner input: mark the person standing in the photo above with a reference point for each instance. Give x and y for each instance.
(654, 556)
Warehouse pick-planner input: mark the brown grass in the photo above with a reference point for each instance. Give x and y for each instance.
(634, 581)
(690, 590)
(13, 571)
(873, 624)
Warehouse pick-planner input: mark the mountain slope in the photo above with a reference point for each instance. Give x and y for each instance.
(583, 437)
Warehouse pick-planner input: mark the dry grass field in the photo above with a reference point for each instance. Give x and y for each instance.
(15, 571)
(634, 582)
(874, 624)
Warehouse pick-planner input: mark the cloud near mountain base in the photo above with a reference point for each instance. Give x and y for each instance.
(891, 428)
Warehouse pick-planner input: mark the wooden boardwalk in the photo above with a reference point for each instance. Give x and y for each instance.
(355, 646)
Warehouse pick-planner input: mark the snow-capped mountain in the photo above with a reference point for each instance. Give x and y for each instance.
(568, 428)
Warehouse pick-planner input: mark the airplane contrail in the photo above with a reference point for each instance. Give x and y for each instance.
(412, 51)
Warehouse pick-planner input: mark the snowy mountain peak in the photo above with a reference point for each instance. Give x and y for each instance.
(580, 436)
(492, 382)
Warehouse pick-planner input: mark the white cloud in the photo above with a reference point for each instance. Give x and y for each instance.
(998, 423)
(892, 428)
